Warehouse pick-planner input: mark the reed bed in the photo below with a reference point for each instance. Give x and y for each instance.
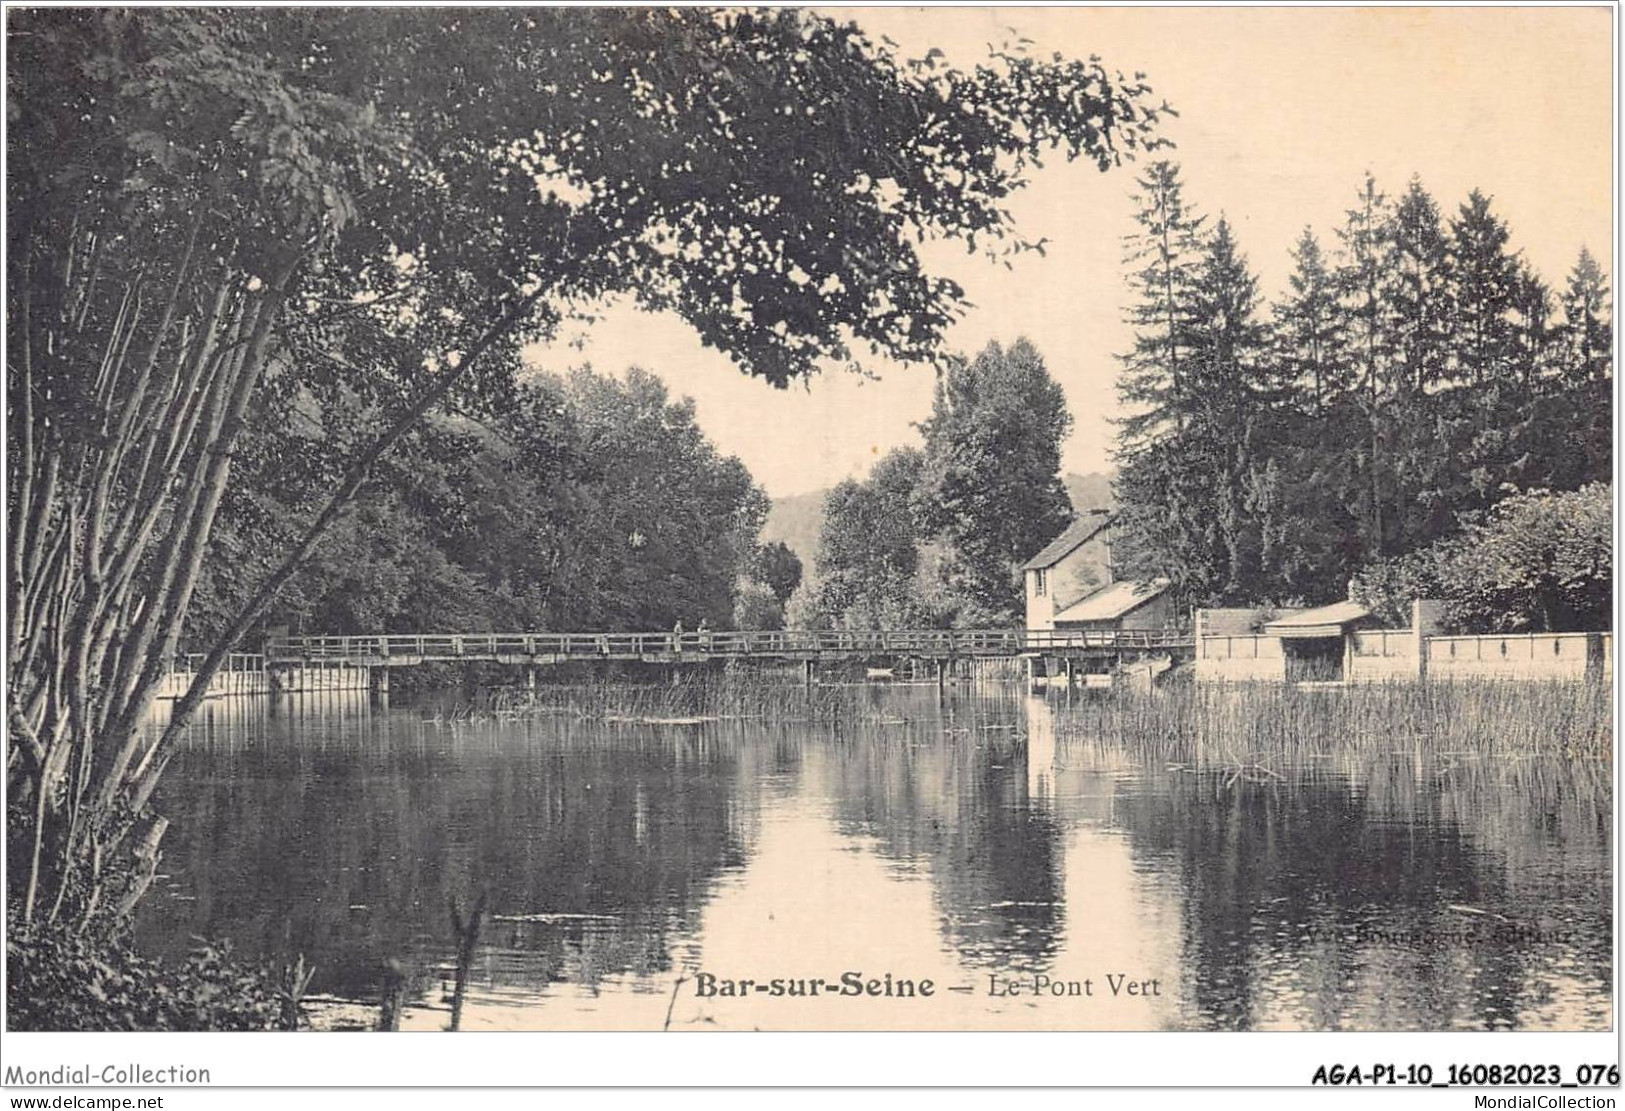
(681, 700)
(1261, 726)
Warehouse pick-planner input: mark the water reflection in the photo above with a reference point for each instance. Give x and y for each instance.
(977, 845)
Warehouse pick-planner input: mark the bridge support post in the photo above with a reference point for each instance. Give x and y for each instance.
(807, 674)
(942, 679)
(379, 681)
(276, 684)
(530, 678)
(1069, 674)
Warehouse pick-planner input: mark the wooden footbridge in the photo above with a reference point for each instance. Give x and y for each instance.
(1095, 650)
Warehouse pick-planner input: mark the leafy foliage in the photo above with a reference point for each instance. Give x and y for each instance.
(1536, 562)
(868, 555)
(935, 536)
(779, 568)
(596, 503)
(990, 487)
(61, 981)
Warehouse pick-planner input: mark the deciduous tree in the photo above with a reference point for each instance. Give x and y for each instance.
(990, 485)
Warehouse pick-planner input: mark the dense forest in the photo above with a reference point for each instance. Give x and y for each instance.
(1410, 378)
(582, 501)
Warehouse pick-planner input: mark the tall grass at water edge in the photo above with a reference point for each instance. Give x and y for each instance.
(1262, 725)
(707, 696)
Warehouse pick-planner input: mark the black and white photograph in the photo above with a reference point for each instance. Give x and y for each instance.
(863, 519)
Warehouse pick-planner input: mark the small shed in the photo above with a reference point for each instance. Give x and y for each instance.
(1121, 606)
(1317, 644)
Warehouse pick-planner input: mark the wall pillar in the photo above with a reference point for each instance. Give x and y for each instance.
(1427, 618)
(378, 680)
(1596, 660)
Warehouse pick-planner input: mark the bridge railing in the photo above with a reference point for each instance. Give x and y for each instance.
(234, 662)
(931, 642)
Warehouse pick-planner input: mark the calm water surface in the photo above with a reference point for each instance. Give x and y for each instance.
(982, 846)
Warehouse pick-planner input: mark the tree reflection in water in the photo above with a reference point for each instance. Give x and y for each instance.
(1364, 890)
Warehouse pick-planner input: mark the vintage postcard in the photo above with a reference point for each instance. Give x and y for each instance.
(983, 519)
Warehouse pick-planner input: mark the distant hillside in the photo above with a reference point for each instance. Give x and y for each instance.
(1089, 491)
(798, 520)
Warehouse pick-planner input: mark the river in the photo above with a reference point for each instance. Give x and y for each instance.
(635, 874)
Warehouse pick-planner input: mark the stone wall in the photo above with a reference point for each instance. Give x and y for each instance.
(1534, 656)
(1381, 656)
(1395, 655)
(1239, 659)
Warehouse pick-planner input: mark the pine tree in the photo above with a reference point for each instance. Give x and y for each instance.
(1161, 259)
(1366, 235)
(1311, 440)
(1587, 329)
(1310, 337)
(1416, 315)
(1484, 283)
(1195, 501)
(1227, 369)
(1230, 394)
(1534, 333)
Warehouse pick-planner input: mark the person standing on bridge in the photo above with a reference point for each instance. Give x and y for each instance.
(677, 637)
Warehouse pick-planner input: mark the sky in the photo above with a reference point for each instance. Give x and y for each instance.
(1282, 113)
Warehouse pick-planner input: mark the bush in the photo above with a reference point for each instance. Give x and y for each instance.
(57, 980)
(1536, 562)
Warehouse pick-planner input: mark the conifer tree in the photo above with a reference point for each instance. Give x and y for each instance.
(1230, 381)
(1197, 504)
(1534, 330)
(1227, 376)
(1312, 436)
(1161, 258)
(1484, 284)
(1366, 234)
(1309, 332)
(1587, 328)
(1417, 311)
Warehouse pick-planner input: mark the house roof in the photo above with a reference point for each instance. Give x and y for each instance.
(1237, 621)
(1329, 620)
(1077, 534)
(1112, 601)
